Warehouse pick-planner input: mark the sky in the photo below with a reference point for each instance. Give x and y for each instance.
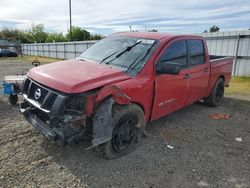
(109, 16)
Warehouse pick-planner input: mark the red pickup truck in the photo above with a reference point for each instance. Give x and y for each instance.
(113, 89)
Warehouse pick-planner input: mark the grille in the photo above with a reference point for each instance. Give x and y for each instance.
(33, 89)
(45, 98)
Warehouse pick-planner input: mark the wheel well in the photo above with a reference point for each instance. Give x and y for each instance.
(110, 96)
(138, 104)
(135, 103)
(221, 76)
(213, 84)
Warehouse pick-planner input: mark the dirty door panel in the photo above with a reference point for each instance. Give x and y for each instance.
(171, 90)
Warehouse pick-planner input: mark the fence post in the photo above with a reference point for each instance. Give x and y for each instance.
(56, 49)
(236, 55)
(21, 49)
(64, 51)
(49, 49)
(43, 49)
(75, 48)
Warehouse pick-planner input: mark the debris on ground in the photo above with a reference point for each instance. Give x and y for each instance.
(238, 139)
(219, 116)
(203, 184)
(170, 147)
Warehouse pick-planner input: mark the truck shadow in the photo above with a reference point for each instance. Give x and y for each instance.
(89, 166)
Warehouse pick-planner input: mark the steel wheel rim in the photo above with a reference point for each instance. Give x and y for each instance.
(219, 92)
(125, 132)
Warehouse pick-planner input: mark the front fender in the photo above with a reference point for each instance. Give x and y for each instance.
(102, 129)
(117, 94)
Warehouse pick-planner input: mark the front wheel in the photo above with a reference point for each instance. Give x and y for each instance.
(129, 125)
(216, 96)
(13, 99)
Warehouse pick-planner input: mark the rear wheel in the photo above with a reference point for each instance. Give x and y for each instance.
(129, 125)
(216, 96)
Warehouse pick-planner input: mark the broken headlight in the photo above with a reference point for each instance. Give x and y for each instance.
(74, 105)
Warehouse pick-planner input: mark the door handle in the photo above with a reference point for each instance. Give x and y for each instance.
(206, 69)
(187, 76)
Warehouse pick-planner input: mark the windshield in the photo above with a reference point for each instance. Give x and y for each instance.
(124, 52)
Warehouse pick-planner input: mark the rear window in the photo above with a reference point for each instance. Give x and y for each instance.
(196, 52)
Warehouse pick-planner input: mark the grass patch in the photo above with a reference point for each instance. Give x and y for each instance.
(239, 86)
(27, 58)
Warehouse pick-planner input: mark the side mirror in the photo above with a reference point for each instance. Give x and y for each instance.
(168, 68)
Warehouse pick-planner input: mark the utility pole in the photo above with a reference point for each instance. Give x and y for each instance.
(70, 21)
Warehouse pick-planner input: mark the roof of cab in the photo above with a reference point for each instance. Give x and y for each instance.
(149, 35)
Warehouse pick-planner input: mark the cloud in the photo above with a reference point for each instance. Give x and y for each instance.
(109, 16)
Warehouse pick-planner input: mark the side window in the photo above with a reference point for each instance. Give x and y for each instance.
(176, 53)
(196, 52)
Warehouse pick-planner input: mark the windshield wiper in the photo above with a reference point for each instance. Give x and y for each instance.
(81, 59)
(133, 63)
(127, 49)
(108, 56)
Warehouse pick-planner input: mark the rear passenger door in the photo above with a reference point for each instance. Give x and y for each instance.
(199, 70)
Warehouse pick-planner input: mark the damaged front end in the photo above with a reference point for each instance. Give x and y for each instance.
(66, 118)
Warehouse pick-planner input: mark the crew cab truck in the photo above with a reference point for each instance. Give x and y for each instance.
(110, 92)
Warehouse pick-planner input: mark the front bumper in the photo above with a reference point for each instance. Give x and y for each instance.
(71, 132)
(48, 115)
(38, 124)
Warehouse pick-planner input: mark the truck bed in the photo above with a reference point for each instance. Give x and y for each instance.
(220, 65)
(215, 58)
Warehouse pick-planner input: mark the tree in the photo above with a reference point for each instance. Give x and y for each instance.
(96, 37)
(25, 37)
(205, 31)
(37, 33)
(11, 35)
(56, 37)
(78, 34)
(214, 28)
(15, 35)
(153, 30)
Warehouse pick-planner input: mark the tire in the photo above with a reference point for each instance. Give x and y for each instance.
(129, 125)
(216, 96)
(13, 99)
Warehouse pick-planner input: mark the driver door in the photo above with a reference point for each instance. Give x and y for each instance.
(171, 90)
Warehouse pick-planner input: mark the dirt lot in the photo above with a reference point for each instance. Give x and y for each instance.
(205, 152)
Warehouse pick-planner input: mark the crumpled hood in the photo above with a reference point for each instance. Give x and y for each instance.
(76, 76)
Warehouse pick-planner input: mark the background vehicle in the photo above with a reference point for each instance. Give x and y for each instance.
(7, 53)
(114, 88)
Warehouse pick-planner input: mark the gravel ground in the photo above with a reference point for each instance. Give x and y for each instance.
(205, 152)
